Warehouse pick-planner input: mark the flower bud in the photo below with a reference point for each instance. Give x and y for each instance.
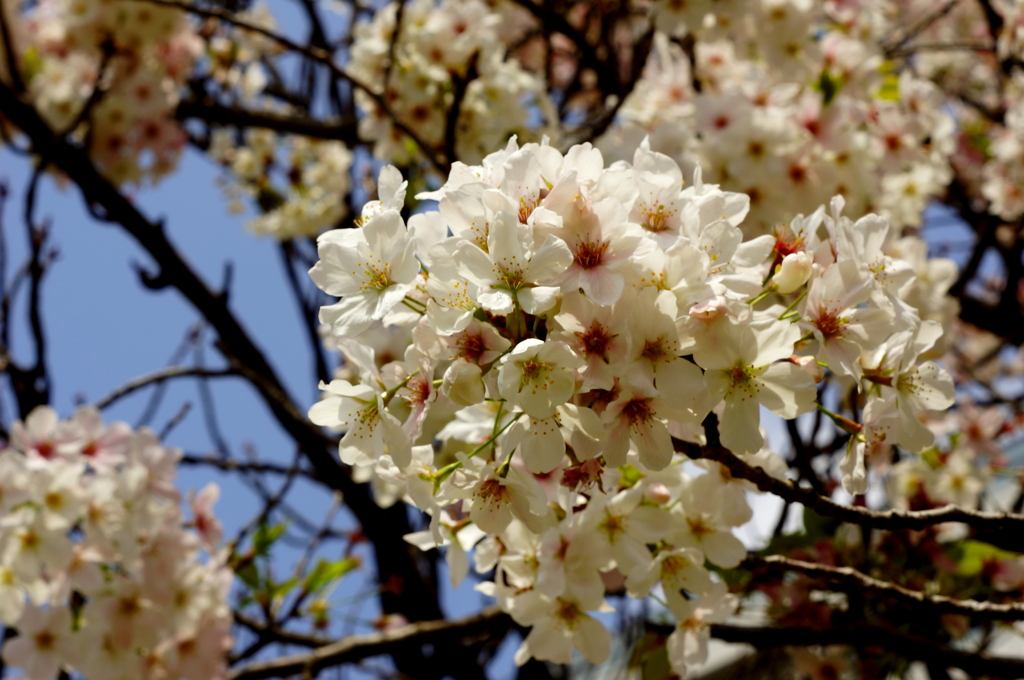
(462, 383)
(710, 309)
(793, 272)
(657, 493)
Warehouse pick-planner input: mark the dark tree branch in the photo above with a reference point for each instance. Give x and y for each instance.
(396, 560)
(848, 576)
(158, 377)
(210, 111)
(874, 640)
(357, 647)
(880, 519)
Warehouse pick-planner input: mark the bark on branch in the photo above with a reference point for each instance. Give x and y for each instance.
(490, 622)
(880, 519)
(873, 586)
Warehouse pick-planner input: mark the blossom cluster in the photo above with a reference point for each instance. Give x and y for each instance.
(564, 327)
(98, 572)
(117, 65)
(788, 98)
(313, 185)
(446, 54)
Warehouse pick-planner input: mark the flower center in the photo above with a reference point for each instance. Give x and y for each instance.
(742, 378)
(590, 255)
(534, 372)
(655, 350)
(568, 612)
(698, 527)
(830, 324)
(596, 340)
(638, 411)
(656, 219)
(612, 526)
(471, 346)
(376, 276)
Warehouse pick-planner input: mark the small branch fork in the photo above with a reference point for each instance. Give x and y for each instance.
(322, 56)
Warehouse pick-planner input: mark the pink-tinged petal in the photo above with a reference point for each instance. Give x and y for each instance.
(550, 260)
(543, 448)
(787, 390)
(592, 639)
(349, 317)
(602, 285)
(537, 300)
(855, 477)
(741, 420)
(617, 448)
(653, 443)
(474, 264)
(724, 549)
(496, 301)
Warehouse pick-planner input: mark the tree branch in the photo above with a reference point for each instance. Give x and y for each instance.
(866, 637)
(442, 165)
(213, 112)
(881, 519)
(359, 647)
(157, 377)
(914, 598)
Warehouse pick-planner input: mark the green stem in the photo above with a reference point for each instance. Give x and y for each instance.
(763, 294)
(408, 304)
(793, 304)
(446, 472)
(842, 421)
(390, 394)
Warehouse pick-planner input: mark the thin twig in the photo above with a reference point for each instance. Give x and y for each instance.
(914, 598)
(357, 647)
(159, 377)
(867, 637)
(443, 166)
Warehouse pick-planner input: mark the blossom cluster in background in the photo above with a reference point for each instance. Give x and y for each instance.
(565, 322)
(441, 48)
(790, 101)
(98, 571)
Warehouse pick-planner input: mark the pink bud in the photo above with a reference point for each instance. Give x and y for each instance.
(710, 309)
(657, 493)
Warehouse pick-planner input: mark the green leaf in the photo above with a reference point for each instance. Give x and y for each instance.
(325, 573)
(630, 476)
(281, 589)
(975, 554)
(249, 575)
(265, 536)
